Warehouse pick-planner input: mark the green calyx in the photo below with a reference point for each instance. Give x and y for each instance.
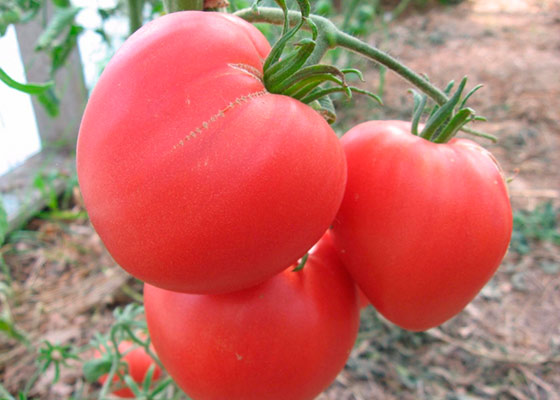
(292, 75)
(446, 120)
(301, 263)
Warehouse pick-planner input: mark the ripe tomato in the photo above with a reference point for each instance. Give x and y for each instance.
(138, 364)
(195, 177)
(286, 338)
(422, 226)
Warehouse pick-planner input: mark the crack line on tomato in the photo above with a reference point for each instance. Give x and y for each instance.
(220, 114)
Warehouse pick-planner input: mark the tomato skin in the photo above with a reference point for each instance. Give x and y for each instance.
(287, 338)
(138, 364)
(422, 226)
(197, 179)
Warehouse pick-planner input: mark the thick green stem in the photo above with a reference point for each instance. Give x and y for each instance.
(183, 5)
(335, 37)
(351, 43)
(134, 15)
(331, 37)
(322, 45)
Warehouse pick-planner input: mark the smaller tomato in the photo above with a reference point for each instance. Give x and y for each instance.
(138, 362)
(285, 339)
(423, 226)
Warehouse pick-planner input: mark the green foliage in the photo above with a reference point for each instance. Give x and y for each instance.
(60, 22)
(540, 224)
(3, 222)
(50, 102)
(55, 355)
(7, 324)
(58, 39)
(129, 325)
(17, 11)
(46, 185)
(29, 88)
(43, 91)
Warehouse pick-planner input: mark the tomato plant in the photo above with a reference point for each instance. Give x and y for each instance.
(196, 178)
(423, 226)
(137, 363)
(287, 338)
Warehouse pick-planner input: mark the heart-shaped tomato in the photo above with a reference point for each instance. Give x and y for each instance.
(423, 226)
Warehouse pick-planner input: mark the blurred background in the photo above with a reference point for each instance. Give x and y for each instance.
(58, 284)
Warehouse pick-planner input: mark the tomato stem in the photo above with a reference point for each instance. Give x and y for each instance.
(298, 74)
(330, 36)
(337, 38)
(183, 5)
(134, 15)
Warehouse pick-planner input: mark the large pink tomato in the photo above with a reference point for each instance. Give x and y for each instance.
(422, 226)
(286, 338)
(195, 177)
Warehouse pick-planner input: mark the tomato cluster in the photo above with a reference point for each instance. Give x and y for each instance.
(210, 189)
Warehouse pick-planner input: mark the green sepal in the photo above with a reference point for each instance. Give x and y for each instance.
(292, 63)
(449, 87)
(354, 71)
(468, 95)
(302, 89)
(287, 35)
(327, 71)
(419, 106)
(348, 90)
(462, 117)
(301, 263)
(443, 113)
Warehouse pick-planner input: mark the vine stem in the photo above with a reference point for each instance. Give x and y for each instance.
(330, 37)
(182, 5)
(134, 15)
(334, 37)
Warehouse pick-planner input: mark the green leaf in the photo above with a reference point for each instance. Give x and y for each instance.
(94, 369)
(29, 88)
(3, 222)
(61, 3)
(8, 327)
(7, 18)
(50, 102)
(61, 20)
(60, 52)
